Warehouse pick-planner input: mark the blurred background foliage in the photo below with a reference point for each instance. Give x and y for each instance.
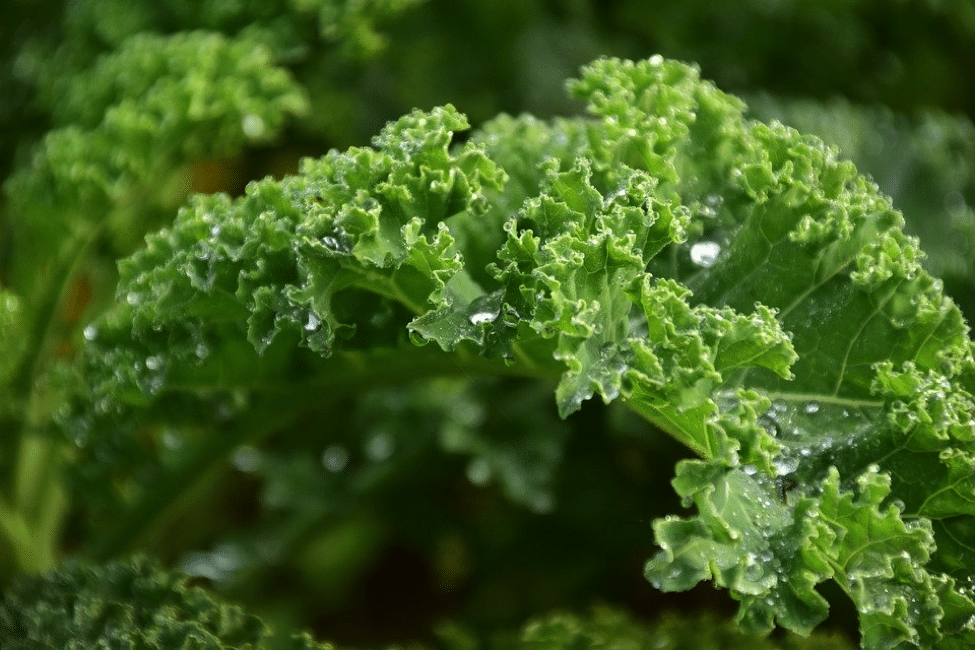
(400, 509)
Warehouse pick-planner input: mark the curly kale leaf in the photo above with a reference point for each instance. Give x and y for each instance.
(131, 122)
(126, 604)
(881, 392)
(923, 163)
(735, 283)
(138, 604)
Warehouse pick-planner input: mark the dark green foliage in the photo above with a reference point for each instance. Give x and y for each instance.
(357, 394)
(125, 605)
(136, 605)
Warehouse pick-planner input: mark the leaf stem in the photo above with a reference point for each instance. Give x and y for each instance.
(37, 499)
(157, 499)
(348, 373)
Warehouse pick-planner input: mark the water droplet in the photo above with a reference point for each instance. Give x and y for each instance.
(312, 323)
(153, 363)
(380, 447)
(335, 458)
(172, 440)
(266, 341)
(132, 298)
(482, 317)
(753, 568)
(253, 126)
(656, 59)
(11, 304)
(511, 317)
(484, 309)
(812, 407)
(91, 333)
(705, 253)
(331, 243)
(542, 503)
(784, 465)
(246, 458)
(478, 472)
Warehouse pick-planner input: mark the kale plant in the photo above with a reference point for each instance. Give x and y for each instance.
(437, 341)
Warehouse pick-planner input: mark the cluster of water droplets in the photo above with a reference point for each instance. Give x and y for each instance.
(705, 253)
(759, 572)
(378, 447)
(339, 242)
(808, 433)
(612, 362)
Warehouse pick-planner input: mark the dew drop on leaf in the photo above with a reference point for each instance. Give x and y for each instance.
(333, 244)
(253, 126)
(705, 253)
(785, 465)
(312, 324)
(482, 317)
(335, 458)
(511, 318)
(478, 472)
(380, 447)
(753, 568)
(484, 309)
(542, 503)
(172, 440)
(246, 458)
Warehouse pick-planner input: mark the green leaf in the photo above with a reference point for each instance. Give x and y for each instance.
(735, 283)
(608, 628)
(922, 162)
(796, 231)
(132, 604)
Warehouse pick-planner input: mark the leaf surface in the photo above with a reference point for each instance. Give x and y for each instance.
(735, 283)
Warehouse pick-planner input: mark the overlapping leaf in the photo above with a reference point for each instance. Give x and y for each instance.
(796, 230)
(733, 282)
